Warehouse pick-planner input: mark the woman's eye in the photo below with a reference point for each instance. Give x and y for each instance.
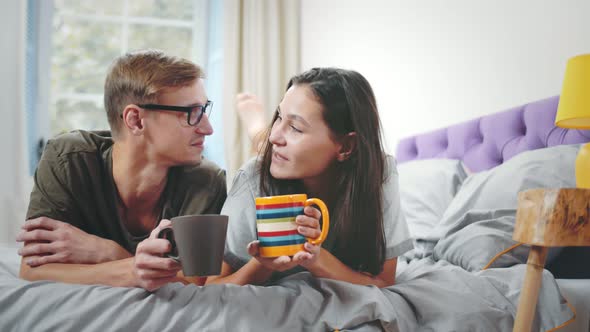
(294, 128)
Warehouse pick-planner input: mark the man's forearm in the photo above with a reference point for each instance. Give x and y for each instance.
(114, 251)
(114, 273)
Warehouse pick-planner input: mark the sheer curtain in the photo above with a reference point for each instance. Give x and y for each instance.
(261, 52)
(14, 173)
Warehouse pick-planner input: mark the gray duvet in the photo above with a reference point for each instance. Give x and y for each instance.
(428, 296)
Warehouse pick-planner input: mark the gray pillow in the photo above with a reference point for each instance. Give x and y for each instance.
(479, 222)
(426, 190)
(478, 237)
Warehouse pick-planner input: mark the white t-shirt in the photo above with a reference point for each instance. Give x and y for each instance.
(240, 206)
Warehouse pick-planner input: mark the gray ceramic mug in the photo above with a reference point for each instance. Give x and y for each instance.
(198, 243)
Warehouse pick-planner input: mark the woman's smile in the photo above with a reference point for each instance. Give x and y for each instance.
(277, 157)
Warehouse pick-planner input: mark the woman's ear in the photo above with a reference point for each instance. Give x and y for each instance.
(347, 147)
(132, 119)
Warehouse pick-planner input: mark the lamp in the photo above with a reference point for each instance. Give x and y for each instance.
(574, 110)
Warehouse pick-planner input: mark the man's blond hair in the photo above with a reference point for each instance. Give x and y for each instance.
(139, 77)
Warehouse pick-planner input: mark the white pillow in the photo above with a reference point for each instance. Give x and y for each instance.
(427, 187)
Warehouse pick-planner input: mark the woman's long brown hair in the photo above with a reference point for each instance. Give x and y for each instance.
(357, 214)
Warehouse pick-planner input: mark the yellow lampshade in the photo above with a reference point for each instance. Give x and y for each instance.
(574, 102)
(574, 110)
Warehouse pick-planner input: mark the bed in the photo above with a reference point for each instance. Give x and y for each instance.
(457, 217)
(444, 158)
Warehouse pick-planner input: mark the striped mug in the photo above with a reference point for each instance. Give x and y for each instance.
(275, 223)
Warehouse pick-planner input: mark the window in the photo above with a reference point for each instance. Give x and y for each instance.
(87, 35)
(74, 41)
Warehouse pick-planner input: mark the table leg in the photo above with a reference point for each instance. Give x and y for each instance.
(530, 289)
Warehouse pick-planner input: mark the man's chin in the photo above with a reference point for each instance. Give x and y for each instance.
(192, 162)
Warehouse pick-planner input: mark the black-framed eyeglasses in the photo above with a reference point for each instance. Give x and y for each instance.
(194, 114)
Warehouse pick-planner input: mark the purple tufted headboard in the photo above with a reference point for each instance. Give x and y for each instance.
(488, 141)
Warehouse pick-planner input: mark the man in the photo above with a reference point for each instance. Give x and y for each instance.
(98, 194)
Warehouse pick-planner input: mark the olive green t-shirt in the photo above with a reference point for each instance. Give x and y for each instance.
(74, 183)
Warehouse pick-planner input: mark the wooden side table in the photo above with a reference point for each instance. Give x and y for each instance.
(547, 218)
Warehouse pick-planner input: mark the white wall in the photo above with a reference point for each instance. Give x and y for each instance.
(435, 63)
(13, 168)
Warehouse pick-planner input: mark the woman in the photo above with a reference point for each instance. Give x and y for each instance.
(325, 141)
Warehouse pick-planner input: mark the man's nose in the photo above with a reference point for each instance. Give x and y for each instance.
(204, 126)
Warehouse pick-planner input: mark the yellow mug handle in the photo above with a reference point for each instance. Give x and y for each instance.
(325, 220)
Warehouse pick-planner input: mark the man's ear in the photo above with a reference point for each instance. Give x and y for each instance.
(133, 119)
(347, 147)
